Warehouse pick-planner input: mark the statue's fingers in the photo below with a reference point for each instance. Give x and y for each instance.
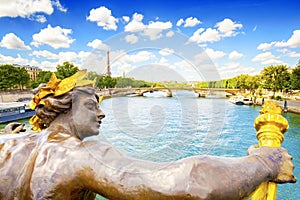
(17, 128)
(9, 128)
(286, 178)
(252, 149)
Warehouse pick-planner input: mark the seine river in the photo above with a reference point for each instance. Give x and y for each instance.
(158, 128)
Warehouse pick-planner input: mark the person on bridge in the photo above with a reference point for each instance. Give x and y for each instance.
(58, 163)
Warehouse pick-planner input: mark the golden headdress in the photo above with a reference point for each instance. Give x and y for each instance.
(56, 87)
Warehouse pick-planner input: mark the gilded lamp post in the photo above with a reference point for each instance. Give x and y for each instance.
(270, 126)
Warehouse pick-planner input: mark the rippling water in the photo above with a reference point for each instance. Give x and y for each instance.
(165, 129)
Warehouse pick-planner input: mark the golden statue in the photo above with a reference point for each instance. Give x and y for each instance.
(58, 163)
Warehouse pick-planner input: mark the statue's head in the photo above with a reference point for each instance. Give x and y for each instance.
(73, 101)
(86, 115)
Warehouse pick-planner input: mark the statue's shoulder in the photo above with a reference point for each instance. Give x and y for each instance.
(17, 138)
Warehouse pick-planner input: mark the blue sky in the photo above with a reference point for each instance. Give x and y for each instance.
(172, 37)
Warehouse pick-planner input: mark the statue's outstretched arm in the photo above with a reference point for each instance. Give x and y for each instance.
(116, 176)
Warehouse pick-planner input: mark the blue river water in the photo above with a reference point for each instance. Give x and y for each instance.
(165, 129)
(158, 128)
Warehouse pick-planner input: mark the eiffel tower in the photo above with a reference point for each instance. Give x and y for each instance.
(108, 72)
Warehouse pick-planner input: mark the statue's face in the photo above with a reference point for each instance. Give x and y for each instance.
(86, 114)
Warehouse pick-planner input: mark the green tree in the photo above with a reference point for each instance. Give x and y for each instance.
(295, 78)
(93, 75)
(22, 78)
(8, 76)
(42, 77)
(242, 81)
(275, 78)
(66, 70)
(109, 82)
(253, 82)
(124, 82)
(231, 83)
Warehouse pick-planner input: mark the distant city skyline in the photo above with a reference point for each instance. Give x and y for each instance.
(238, 36)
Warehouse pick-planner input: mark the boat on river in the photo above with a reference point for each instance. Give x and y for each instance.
(241, 100)
(14, 111)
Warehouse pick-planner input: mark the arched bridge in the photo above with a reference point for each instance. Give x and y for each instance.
(141, 91)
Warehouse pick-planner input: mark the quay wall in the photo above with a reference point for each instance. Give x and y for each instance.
(14, 95)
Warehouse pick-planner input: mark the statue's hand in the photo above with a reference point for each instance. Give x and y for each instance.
(279, 162)
(14, 127)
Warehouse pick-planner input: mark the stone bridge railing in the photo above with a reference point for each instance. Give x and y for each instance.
(141, 91)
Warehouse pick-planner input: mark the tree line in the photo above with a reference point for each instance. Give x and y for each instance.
(275, 78)
(17, 77)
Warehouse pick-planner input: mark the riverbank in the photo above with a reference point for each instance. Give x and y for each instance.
(293, 106)
(10, 96)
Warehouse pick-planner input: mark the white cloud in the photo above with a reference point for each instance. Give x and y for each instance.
(29, 8)
(135, 24)
(293, 54)
(153, 29)
(201, 36)
(131, 38)
(232, 69)
(191, 21)
(180, 22)
(166, 51)
(153, 34)
(16, 8)
(159, 25)
(235, 55)
(163, 61)
(123, 62)
(207, 55)
(284, 50)
(45, 54)
(214, 54)
(11, 41)
(267, 58)
(59, 6)
(293, 42)
(68, 56)
(98, 44)
(273, 62)
(55, 37)
(265, 46)
(141, 56)
(47, 65)
(126, 18)
(263, 57)
(169, 34)
(182, 64)
(41, 18)
(227, 27)
(188, 22)
(103, 17)
(280, 44)
(9, 59)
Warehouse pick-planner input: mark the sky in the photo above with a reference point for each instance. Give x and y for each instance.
(154, 40)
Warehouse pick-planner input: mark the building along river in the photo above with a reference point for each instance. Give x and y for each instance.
(158, 128)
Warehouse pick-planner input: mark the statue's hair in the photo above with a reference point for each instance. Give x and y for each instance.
(55, 105)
